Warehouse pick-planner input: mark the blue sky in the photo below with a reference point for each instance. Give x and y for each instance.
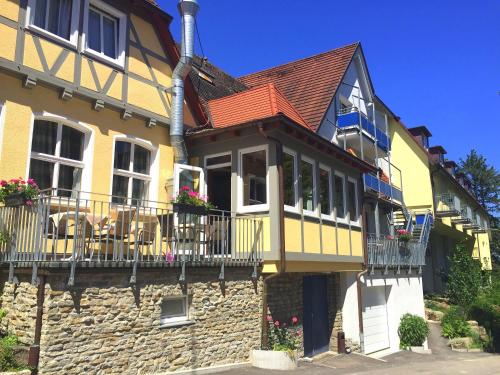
(435, 63)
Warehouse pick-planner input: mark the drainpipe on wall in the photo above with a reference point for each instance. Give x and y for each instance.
(281, 203)
(34, 351)
(359, 284)
(187, 10)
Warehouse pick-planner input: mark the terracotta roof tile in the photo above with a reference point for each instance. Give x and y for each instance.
(308, 84)
(254, 104)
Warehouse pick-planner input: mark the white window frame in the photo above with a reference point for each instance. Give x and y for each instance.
(293, 154)
(330, 191)
(353, 180)
(88, 144)
(311, 161)
(257, 207)
(177, 320)
(73, 35)
(3, 109)
(220, 165)
(152, 178)
(344, 198)
(121, 35)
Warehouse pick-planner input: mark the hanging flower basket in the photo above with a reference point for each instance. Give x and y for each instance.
(183, 208)
(189, 201)
(17, 192)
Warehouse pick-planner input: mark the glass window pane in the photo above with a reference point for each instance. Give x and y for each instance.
(53, 23)
(339, 196)
(70, 179)
(141, 160)
(109, 37)
(94, 31)
(173, 308)
(324, 191)
(352, 204)
(307, 173)
(44, 137)
(120, 189)
(139, 190)
(190, 179)
(40, 13)
(71, 143)
(289, 179)
(122, 155)
(223, 159)
(254, 178)
(42, 172)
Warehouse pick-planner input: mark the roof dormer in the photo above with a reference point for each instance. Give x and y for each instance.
(451, 167)
(421, 135)
(437, 154)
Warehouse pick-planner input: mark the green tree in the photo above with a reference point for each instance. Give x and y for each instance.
(485, 180)
(464, 279)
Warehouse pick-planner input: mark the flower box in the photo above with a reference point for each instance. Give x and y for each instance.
(274, 360)
(183, 208)
(15, 200)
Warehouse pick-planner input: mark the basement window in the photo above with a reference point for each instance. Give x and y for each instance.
(174, 311)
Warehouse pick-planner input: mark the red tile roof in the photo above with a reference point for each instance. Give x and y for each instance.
(309, 84)
(254, 104)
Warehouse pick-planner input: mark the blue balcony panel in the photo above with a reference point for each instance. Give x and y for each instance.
(382, 187)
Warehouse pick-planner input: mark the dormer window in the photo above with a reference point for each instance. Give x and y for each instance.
(425, 141)
(441, 158)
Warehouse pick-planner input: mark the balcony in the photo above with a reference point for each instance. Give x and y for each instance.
(386, 252)
(352, 118)
(382, 188)
(464, 217)
(77, 231)
(448, 205)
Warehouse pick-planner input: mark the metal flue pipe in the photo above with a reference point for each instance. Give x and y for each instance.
(187, 10)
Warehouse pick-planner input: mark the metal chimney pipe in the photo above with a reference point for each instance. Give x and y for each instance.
(187, 10)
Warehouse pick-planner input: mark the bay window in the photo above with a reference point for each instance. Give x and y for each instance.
(57, 157)
(308, 180)
(131, 173)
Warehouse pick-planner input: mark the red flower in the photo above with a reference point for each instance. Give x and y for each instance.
(269, 318)
(3, 183)
(185, 188)
(295, 320)
(277, 323)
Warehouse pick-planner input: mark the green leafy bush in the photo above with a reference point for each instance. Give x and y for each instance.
(488, 315)
(7, 359)
(464, 279)
(413, 331)
(283, 336)
(454, 323)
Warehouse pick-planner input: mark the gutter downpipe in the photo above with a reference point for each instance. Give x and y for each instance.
(187, 10)
(282, 263)
(359, 284)
(34, 350)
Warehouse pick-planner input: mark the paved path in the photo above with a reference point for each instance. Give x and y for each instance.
(442, 361)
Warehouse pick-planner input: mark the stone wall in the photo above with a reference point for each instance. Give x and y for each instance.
(285, 300)
(19, 302)
(103, 325)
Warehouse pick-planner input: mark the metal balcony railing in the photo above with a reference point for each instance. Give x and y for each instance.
(388, 190)
(387, 252)
(89, 230)
(448, 205)
(352, 117)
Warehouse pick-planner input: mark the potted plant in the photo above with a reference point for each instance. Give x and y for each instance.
(413, 331)
(18, 192)
(403, 236)
(189, 201)
(283, 342)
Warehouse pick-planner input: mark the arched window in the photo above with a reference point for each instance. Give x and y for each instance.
(57, 157)
(131, 173)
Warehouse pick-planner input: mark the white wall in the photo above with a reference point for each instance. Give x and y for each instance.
(404, 295)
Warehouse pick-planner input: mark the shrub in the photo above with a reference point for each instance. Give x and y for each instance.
(464, 279)
(7, 359)
(454, 323)
(488, 316)
(282, 336)
(413, 331)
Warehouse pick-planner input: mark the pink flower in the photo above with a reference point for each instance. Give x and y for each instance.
(29, 202)
(269, 318)
(185, 188)
(31, 182)
(295, 320)
(14, 180)
(277, 323)
(299, 333)
(3, 183)
(19, 188)
(389, 237)
(170, 257)
(193, 194)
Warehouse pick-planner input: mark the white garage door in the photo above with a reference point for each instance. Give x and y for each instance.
(375, 325)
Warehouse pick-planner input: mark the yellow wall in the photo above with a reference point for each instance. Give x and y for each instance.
(481, 250)
(148, 94)
(21, 104)
(252, 233)
(414, 165)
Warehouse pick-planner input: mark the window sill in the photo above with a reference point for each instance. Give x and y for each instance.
(114, 63)
(56, 38)
(180, 323)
